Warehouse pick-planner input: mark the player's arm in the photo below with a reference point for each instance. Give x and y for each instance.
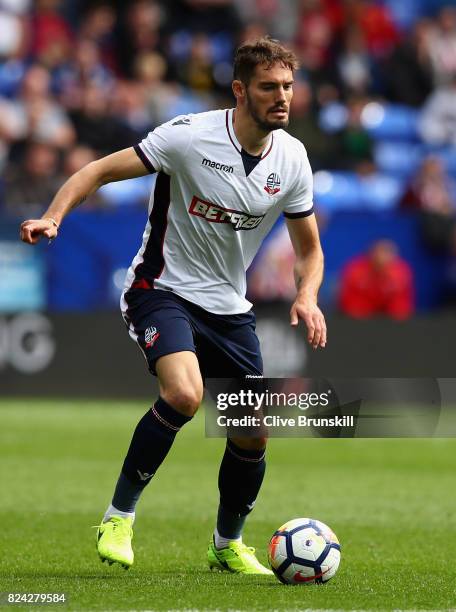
(308, 272)
(119, 166)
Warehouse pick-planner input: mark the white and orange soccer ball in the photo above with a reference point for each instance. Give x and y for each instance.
(304, 551)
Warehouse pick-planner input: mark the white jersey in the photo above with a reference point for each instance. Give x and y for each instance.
(207, 215)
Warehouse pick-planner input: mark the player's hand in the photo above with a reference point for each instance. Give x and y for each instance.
(307, 310)
(32, 230)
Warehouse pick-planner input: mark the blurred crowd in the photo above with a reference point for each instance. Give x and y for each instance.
(374, 100)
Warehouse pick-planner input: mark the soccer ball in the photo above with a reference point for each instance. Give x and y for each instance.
(304, 551)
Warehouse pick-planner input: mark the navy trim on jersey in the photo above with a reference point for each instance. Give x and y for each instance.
(143, 157)
(261, 157)
(270, 148)
(299, 215)
(250, 161)
(153, 259)
(229, 132)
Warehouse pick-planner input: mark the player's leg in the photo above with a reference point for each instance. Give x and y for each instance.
(181, 391)
(240, 478)
(161, 327)
(228, 347)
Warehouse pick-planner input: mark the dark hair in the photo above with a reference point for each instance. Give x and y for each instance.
(262, 51)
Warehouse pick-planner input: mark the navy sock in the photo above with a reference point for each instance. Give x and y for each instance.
(240, 478)
(126, 494)
(229, 524)
(152, 439)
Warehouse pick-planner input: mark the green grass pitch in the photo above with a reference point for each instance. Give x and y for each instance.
(392, 504)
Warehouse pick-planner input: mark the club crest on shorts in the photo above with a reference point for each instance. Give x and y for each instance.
(272, 184)
(151, 335)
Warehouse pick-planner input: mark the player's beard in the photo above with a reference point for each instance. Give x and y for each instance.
(263, 123)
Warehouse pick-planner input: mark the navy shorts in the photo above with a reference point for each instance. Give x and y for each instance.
(163, 323)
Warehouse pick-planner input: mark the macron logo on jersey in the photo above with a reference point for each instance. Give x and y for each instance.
(217, 165)
(213, 213)
(183, 121)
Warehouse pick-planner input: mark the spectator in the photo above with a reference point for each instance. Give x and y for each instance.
(30, 187)
(97, 127)
(353, 147)
(52, 36)
(85, 66)
(35, 115)
(375, 22)
(196, 70)
(336, 13)
(377, 283)
(442, 47)
(17, 7)
(14, 48)
(314, 39)
(140, 32)
(12, 35)
(438, 120)
(98, 26)
(322, 148)
(212, 16)
(252, 31)
(150, 69)
(130, 103)
(75, 159)
(271, 277)
(432, 193)
(406, 72)
(431, 189)
(264, 13)
(354, 63)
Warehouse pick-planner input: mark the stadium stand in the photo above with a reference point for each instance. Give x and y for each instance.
(79, 79)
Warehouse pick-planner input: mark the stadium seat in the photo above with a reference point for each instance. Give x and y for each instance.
(11, 75)
(380, 192)
(348, 191)
(128, 193)
(405, 12)
(337, 190)
(432, 7)
(333, 117)
(398, 159)
(390, 121)
(184, 103)
(222, 47)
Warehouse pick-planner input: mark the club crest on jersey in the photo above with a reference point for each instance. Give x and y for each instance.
(272, 184)
(151, 335)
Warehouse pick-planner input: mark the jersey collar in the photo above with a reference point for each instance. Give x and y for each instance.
(235, 142)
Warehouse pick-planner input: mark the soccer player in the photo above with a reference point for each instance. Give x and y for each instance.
(223, 179)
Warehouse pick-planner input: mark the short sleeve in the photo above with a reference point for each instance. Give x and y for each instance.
(299, 201)
(166, 147)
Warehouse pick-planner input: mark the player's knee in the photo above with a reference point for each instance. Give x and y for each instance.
(185, 400)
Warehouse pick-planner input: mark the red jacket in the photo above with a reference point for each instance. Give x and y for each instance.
(367, 291)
